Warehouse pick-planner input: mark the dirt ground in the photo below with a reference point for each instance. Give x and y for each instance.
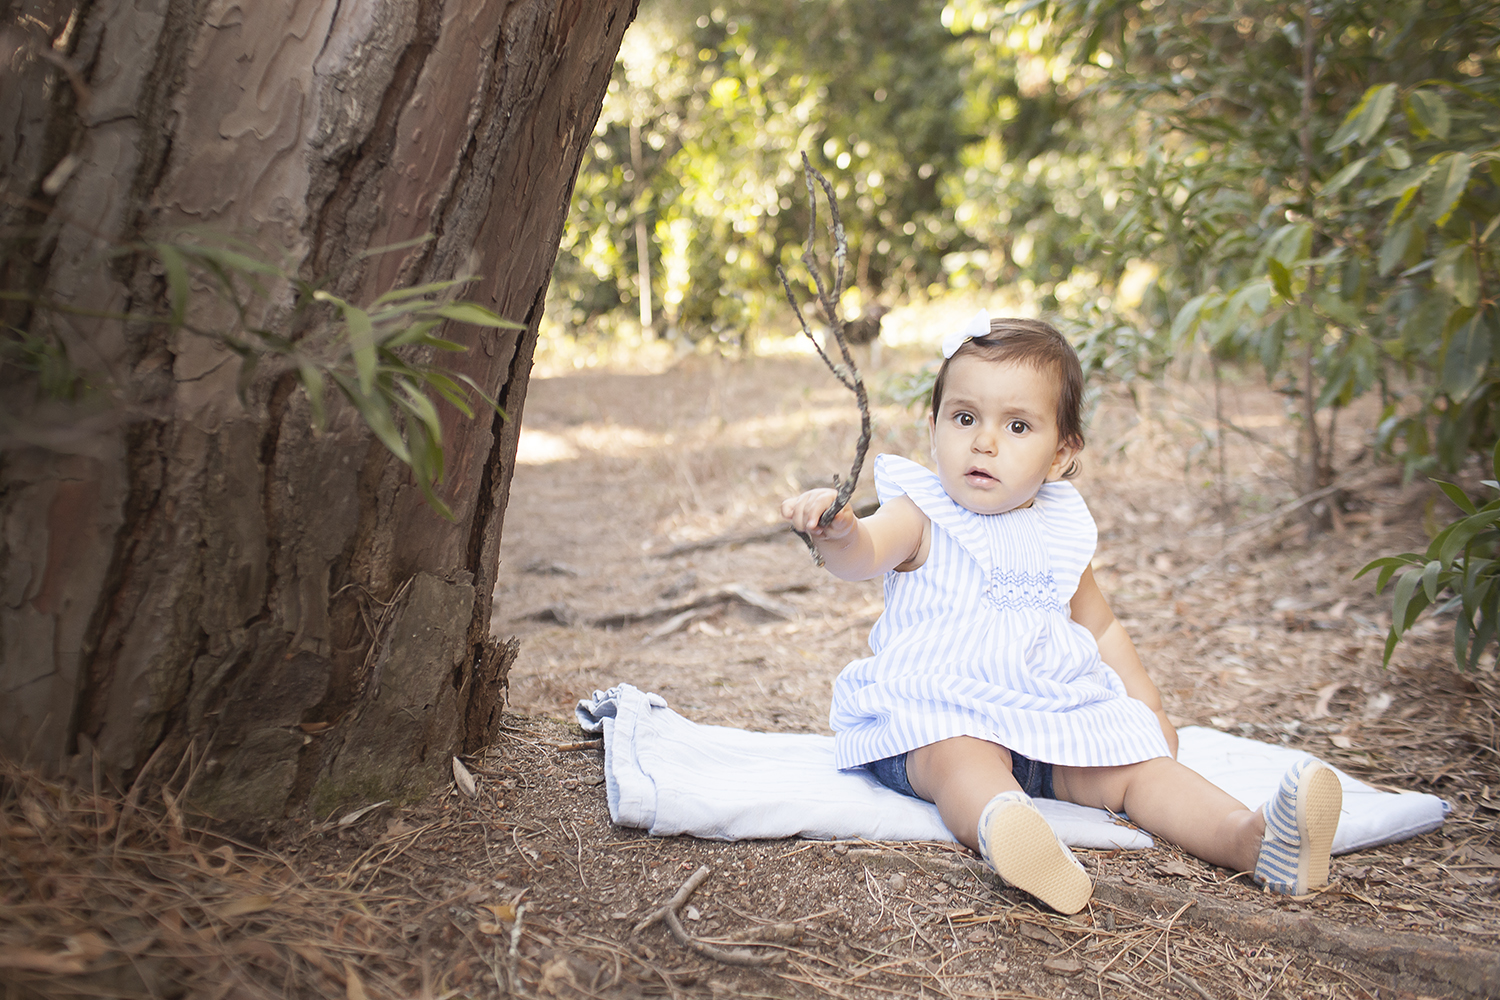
(641, 515)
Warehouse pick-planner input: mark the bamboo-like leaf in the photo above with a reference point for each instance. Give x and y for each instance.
(1463, 533)
(449, 390)
(471, 312)
(376, 415)
(493, 403)
(1473, 586)
(179, 285)
(385, 248)
(1485, 633)
(391, 315)
(1407, 602)
(411, 334)
(361, 345)
(421, 407)
(417, 291)
(1458, 496)
(233, 260)
(312, 384)
(1391, 638)
(1430, 582)
(1388, 566)
(426, 447)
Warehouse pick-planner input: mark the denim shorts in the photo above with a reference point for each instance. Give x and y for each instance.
(1034, 776)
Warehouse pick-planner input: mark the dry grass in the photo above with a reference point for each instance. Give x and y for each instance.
(528, 889)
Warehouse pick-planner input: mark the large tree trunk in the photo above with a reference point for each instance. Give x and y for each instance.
(186, 576)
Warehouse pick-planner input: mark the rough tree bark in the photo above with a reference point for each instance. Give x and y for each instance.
(183, 575)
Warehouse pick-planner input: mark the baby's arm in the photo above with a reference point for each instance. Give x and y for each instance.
(1091, 610)
(854, 548)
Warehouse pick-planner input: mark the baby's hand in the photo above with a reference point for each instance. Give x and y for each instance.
(804, 512)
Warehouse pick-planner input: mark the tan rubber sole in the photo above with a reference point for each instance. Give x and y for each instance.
(1028, 856)
(1318, 820)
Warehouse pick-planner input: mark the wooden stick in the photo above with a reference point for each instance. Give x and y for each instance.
(829, 302)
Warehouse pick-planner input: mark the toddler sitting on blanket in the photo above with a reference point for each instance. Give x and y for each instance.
(999, 673)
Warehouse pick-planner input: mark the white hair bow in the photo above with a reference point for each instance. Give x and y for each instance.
(977, 326)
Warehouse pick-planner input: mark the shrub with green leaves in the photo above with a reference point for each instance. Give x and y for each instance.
(1463, 562)
(377, 356)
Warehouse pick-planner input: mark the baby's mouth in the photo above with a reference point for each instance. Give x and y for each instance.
(978, 474)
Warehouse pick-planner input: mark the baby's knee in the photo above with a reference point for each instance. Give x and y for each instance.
(956, 757)
(1109, 787)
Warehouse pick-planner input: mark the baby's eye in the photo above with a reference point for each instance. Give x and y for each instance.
(964, 419)
(1019, 427)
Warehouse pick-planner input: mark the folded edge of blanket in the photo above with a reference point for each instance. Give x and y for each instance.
(669, 775)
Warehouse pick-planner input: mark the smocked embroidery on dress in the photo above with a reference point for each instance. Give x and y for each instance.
(978, 640)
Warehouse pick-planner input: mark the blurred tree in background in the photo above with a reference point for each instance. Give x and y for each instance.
(1310, 189)
(700, 139)
(1314, 187)
(1307, 188)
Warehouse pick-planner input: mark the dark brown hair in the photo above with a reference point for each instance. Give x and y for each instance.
(1038, 345)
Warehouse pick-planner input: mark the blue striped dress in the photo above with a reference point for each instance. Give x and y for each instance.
(978, 640)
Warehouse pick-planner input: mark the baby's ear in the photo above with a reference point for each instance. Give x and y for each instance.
(1063, 461)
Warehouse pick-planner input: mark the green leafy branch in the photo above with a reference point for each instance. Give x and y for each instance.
(375, 356)
(1463, 558)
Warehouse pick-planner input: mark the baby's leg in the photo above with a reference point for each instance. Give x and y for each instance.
(1171, 801)
(960, 776)
(971, 783)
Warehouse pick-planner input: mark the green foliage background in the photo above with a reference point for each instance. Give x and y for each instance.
(1312, 189)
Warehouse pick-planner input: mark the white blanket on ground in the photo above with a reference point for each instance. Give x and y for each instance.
(670, 776)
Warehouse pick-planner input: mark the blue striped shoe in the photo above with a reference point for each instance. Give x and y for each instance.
(1018, 843)
(1300, 822)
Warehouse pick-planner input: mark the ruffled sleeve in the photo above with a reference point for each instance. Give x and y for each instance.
(1071, 535)
(896, 476)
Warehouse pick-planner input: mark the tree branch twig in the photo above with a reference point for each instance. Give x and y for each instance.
(667, 913)
(828, 301)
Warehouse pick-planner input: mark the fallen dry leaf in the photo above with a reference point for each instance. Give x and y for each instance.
(1325, 695)
(61, 963)
(464, 780)
(245, 905)
(1063, 965)
(1175, 866)
(361, 813)
(1039, 934)
(354, 987)
(502, 911)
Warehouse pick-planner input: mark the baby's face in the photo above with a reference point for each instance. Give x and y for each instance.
(995, 438)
